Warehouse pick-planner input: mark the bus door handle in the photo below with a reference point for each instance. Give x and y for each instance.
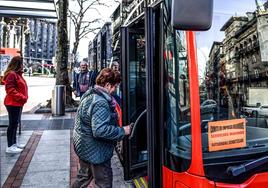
(136, 124)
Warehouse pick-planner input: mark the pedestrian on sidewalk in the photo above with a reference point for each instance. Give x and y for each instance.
(117, 93)
(16, 96)
(84, 80)
(96, 132)
(115, 66)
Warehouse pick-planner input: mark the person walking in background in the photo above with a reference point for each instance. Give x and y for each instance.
(16, 96)
(93, 75)
(30, 71)
(117, 93)
(82, 81)
(96, 132)
(115, 66)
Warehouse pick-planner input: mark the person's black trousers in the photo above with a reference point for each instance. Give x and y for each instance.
(101, 173)
(14, 116)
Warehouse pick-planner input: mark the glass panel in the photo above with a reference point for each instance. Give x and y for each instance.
(137, 96)
(233, 74)
(177, 96)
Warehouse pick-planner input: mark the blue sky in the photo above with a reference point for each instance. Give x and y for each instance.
(223, 10)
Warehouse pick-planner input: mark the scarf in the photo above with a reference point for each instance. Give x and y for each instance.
(101, 91)
(82, 79)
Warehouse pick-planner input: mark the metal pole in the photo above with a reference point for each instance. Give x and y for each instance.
(21, 40)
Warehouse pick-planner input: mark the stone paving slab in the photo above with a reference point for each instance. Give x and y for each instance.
(46, 186)
(7, 161)
(49, 178)
(55, 124)
(50, 165)
(20, 167)
(26, 117)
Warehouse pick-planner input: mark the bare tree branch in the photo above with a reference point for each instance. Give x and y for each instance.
(73, 17)
(88, 31)
(84, 27)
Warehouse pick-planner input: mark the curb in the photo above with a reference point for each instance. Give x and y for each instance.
(48, 110)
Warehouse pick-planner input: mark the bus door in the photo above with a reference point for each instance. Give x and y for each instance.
(134, 153)
(142, 95)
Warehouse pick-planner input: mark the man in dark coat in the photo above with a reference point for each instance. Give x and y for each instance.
(84, 80)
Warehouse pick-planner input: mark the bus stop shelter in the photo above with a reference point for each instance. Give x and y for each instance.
(28, 8)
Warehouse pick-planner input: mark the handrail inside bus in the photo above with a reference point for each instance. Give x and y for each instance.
(136, 123)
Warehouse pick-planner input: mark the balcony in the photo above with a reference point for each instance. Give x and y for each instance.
(249, 48)
(236, 55)
(256, 45)
(241, 51)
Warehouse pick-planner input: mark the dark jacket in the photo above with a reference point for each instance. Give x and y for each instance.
(92, 75)
(96, 130)
(16, 89)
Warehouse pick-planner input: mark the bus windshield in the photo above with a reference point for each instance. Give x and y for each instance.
(233, 86)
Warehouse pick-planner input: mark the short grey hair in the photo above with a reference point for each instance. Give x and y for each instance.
(114, 63)
(83, 63)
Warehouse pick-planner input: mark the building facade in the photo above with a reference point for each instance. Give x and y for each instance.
(12, 32)
(243, 61)
(41, 41)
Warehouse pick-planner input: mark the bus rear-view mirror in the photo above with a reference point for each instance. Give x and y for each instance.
(195, 15)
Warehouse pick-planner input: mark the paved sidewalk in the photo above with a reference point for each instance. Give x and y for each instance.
(48, 160)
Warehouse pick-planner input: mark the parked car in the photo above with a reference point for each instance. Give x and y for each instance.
(261, 110)
(208, 106)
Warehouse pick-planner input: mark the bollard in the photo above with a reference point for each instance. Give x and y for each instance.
(58, 100)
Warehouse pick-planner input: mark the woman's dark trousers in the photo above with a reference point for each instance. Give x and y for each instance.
(14, 116)
(102, 174)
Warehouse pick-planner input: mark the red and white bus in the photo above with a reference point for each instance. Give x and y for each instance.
(185, 91)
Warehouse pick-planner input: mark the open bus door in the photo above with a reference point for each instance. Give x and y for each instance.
(141, 55)
(134, 154)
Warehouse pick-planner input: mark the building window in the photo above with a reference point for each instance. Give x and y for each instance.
(254, 60)
(257, 73)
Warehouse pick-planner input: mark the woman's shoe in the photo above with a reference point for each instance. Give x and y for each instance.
(13, 149)
(21, 146)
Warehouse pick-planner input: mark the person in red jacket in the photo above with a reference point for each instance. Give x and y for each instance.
(16, 96)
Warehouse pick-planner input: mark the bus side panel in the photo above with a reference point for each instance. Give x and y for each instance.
(191, 181)
(167, 177)
(180, 185)
(256, 181)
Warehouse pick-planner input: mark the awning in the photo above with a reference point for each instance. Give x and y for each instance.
(28, 8)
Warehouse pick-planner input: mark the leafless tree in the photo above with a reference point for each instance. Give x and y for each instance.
(82, 24)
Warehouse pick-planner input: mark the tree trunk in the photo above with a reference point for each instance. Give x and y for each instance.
(74, 51)
(62, 77)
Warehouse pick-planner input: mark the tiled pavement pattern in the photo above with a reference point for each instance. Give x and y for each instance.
(74, 161)
(50, 165)
(20, 168)
(50, 161)
(7, 161)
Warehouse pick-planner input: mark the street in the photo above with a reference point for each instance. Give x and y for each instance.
(39, 90)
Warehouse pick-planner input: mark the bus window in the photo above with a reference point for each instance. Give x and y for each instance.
(178, 127)
(137, 96)
(233, 84)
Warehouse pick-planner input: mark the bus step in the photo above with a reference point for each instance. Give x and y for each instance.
(140, 182)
